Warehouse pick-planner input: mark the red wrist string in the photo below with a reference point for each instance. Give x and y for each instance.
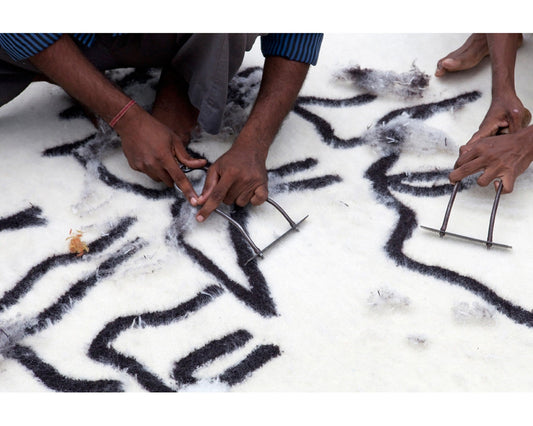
(121, 113)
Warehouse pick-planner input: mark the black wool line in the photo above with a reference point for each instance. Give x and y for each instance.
(305, 184)
(325, 130)
(137, 76)
(257, 298)
(294, 167)
(104, 174)
(56, 311)
(24, 286)
(255, 360)
(403, 230)
(335, 103)
(53, 379)
(424, 111)
(68, 148)
(72, 112)
(397, 183)
(185, 367)
(101, 349)
(114, 182)
(23, 219)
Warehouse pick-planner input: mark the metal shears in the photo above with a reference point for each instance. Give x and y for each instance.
(257, 251)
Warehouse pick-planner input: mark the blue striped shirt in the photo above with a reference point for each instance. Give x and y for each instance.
(296, 47)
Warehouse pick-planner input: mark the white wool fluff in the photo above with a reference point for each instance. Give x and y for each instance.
(385, 298)
(417, 341)
(12, 331)
(404, 85)
(474, 312)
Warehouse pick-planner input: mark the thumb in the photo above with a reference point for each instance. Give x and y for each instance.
(184, 157)
(508, 184)
(489, 128)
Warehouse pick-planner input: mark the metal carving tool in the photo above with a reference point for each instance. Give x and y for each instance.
(257, 251)
(488, 242)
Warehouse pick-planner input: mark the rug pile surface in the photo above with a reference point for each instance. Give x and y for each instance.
(360, 299)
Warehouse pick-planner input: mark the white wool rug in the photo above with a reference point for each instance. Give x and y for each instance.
(361, 299)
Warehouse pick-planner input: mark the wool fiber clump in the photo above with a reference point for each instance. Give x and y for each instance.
(473, 313)
(385, 298)
(407, 134)
(12, 331)
(386, 83)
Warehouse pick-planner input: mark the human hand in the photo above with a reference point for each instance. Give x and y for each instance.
(506, 114)
(502, 156)
(152, 148)
(239, 176)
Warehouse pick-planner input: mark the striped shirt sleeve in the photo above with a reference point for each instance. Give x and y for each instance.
(296, 47)
(21, 46)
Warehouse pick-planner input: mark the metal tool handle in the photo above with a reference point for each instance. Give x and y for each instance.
(258, 252)
(449, 209)
(236, 224)
(283, 212)
(489, 241)
(493, 213)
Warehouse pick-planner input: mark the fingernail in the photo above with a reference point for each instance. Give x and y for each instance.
(200, 218)
(194, 201)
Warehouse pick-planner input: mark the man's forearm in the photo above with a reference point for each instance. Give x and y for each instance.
(280, 85)
(502, 48)
(65, 65)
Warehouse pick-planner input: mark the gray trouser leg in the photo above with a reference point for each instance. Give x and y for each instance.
(208, 62)
(14, 78)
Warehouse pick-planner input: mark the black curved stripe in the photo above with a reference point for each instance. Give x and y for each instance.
(403, 230)
(56, 311)
(101, 348)
(24, 286)
(305, 184)
(23, 219)
(325, 130)
(185, 367)
(294, 167)
(258, 297)
(424, 111)
(259, 357)
(50, 377)
(336, 103)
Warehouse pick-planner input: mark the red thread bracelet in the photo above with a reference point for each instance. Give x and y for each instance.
(121, 113)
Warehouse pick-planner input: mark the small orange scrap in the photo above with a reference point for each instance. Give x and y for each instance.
(76, 245)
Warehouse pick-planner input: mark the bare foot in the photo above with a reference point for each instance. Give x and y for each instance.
(172, 106)
(474, 49)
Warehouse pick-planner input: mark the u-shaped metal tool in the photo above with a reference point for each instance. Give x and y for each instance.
(488, 242)
(257, 251)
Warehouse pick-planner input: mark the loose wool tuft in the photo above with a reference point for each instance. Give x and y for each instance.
(403, 85)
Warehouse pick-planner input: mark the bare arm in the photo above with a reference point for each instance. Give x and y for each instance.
(506, 110)
(240, 176)
(499, 156)
(149, 146)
